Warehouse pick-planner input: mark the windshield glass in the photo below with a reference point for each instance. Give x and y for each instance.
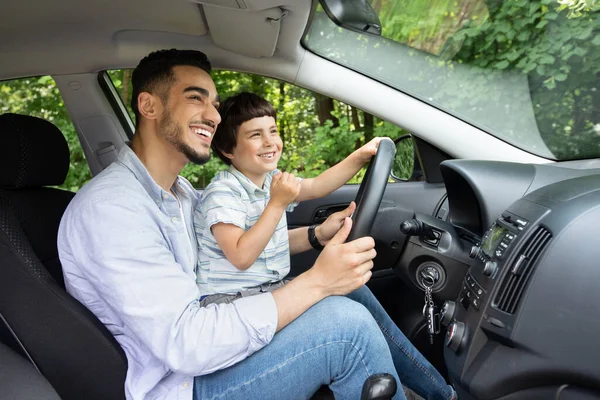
(524, 71)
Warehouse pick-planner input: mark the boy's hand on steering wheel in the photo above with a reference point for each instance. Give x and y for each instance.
(333, 223)
(367, 151)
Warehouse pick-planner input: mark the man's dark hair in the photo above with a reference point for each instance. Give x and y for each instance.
(234, 112)
(154, 74)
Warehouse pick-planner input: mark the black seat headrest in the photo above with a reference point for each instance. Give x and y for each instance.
(33, 152)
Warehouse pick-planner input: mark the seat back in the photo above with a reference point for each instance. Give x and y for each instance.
(64, 340)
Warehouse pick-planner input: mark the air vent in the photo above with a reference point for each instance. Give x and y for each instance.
(521, 269)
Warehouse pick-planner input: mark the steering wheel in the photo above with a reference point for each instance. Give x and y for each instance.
(371, 190)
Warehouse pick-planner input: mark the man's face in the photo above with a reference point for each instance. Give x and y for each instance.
(190, 114)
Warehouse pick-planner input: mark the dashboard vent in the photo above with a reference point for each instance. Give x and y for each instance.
(520, 271)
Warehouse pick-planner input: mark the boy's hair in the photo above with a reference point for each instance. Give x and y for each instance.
(154, 73)
(234, 112)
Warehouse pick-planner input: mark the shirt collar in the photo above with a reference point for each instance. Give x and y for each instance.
(130, 160)
(249, 186)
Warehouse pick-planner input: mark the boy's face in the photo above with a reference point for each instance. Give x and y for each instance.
(258, 148)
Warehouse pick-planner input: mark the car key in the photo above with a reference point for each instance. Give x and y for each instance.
(429, 310)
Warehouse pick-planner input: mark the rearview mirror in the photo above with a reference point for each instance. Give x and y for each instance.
(356, 15)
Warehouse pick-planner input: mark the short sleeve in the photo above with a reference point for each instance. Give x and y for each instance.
(291, 207)
(221, 203)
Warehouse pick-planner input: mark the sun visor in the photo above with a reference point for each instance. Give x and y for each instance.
(251, 33)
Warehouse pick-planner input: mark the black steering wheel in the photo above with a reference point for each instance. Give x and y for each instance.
(371, 190)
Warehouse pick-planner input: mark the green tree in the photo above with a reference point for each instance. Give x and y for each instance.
(557, 46)
(39, 97)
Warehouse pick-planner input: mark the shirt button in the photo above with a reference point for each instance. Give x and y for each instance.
(185, 385)
(165, 195)
(175, 219)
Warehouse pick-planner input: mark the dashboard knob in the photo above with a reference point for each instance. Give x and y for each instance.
(474, 252)
(447, 312)
(455, 334)
(489, 268)
(415, 227)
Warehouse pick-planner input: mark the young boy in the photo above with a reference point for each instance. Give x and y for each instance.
(242, 230)
(240, 219)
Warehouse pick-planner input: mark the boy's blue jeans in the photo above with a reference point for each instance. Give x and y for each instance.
(339, 342)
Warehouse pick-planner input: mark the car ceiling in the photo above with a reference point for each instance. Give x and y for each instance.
(73, 40)
(70, 37)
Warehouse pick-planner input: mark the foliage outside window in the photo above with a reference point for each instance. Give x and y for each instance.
(526, 71)
(317, 131)
(39, 97)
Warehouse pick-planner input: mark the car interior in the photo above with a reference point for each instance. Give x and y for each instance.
(498, 229)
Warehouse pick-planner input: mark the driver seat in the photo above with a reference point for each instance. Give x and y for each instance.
(63, 339)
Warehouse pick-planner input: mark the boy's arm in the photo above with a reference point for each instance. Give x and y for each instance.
(340, 269)
(241, 247)
(339, 174)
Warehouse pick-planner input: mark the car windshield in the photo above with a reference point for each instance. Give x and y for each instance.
(524, 71)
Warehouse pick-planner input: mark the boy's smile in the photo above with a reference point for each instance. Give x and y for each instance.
(258, 149)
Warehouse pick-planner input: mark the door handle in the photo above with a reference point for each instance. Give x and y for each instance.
(322, 213)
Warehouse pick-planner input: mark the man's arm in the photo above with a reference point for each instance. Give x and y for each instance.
(340, 269)
(242, 247)
(336, 176)
(118, 248)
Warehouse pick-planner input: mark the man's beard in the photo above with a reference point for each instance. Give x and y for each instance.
(173, 133)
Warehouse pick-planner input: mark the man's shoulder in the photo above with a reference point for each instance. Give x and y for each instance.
(111, 185)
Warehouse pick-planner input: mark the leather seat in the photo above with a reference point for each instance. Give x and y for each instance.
(64, 340)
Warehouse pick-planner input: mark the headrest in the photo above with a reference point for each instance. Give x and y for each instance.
(33, 152)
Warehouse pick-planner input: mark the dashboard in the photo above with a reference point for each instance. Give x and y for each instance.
(519, 244)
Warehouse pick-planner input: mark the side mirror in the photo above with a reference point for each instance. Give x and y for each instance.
(403, 167)
(356, 15)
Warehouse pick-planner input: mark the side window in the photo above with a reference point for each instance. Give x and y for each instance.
(40, 97)
(317, 131)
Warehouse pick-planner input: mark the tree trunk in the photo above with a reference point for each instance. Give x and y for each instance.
(125, 88)
(377, 6)
(356, 123)
(324, 109)
(355, 119)
(578, 116)
(593, 112)
(368, 126)
(281, 119)
(257, 85)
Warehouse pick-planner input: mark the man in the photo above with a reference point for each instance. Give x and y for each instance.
(126, 243)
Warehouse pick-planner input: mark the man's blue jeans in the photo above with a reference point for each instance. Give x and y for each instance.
(339, 342)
